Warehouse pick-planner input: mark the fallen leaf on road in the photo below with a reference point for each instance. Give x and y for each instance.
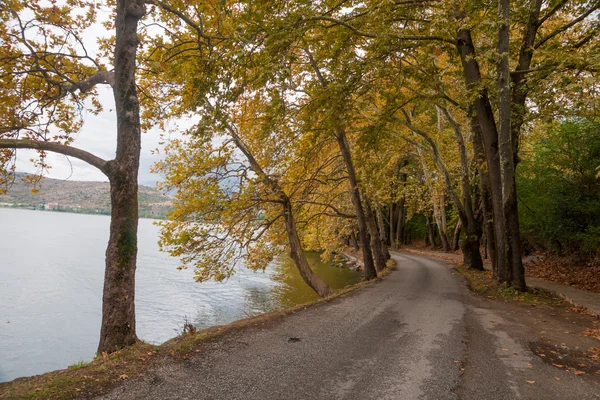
(530, 365)
(515, 353)
(504, 349)
(558, 365)
(578, 372)
(530, 382)
(123, 377)
(557, 378)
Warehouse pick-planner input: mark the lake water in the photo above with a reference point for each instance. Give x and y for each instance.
(51, 276)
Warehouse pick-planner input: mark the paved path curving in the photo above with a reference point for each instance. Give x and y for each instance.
(406, 337)
(578, 297)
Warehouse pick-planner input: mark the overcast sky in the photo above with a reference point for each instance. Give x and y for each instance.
(99, 134)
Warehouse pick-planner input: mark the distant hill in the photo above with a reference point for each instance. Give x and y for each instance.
(80, 196)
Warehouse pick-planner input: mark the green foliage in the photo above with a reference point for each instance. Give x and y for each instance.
(79, 364)
(482, 283)
(416, 227)
(559, 188)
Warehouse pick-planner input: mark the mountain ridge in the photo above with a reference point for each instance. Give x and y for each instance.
(79, 196)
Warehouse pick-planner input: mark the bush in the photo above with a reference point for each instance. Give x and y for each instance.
(559, 189)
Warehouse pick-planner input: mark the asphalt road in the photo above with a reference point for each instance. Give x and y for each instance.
(418, 334)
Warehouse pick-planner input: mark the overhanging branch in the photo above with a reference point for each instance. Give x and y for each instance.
(83, 155)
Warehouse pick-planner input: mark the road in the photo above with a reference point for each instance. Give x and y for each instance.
(418, 334)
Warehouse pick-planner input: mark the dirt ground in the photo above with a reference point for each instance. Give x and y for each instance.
(560, 335)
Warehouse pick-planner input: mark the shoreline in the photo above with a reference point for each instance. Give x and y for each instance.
(107, 370)
(33, 208)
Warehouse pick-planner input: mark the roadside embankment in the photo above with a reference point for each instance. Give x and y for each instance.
(106, 371)
(579, 298)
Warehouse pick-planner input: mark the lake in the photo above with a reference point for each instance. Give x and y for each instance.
(51, 277)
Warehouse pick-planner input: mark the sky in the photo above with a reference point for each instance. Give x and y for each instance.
(98, 135)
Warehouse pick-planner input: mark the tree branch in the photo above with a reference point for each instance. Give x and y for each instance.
(83, 155)
(197, 27)
(374, 35)
(563, 28)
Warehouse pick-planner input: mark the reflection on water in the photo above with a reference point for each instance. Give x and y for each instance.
(293, 290)
(51, 277)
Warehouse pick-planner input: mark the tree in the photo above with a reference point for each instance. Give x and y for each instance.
(242, 106)
(50, 75)
(558, 188)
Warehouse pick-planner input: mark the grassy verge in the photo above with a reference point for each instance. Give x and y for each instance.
(481, 282)
(108, 370)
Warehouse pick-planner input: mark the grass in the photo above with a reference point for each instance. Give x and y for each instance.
(79, 364)
(108, 370)
(481, 282)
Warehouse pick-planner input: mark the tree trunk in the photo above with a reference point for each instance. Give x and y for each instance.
(370, 272)
(392, 225)
(377, 247)
(382, 231)
(401, 222)
(354, 241)
(342, 140)
(296, 251)
(487, 125)
(486, 195)
(118, 306)
(515, 273)
(519, 79)
(456, 236)
(430, 232)
(439, 213)
(297, 254)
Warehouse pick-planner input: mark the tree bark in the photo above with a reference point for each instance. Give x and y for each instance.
(430, 232)
(487, 126)
(297, 254)
(369, 265)
(354, 241)
(382, 230)
(519, 79)
(456, 236)
(401, 222)
(439, 213)
(515, 273)
(486, 195)
(392, 224)
(378, 248)
(118, 305)
(472, 239)
(342, 140)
